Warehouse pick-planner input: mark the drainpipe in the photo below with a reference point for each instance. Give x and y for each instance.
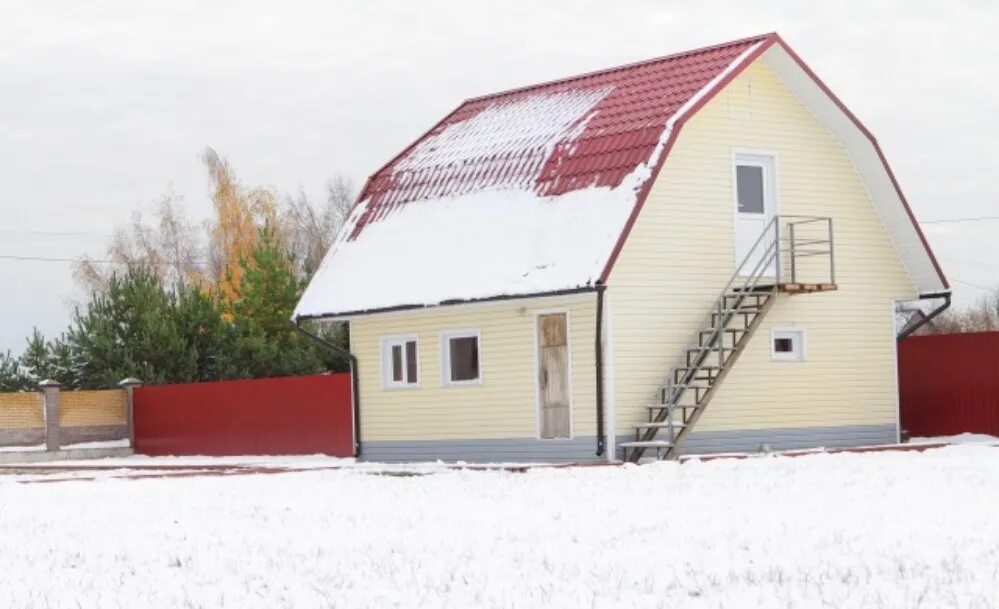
(927, 318)
(354, 392)
(598, 348)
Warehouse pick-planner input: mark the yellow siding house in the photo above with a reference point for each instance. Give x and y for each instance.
(696, 253)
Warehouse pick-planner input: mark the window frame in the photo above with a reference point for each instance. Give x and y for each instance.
(387, 343)
(445, 344)
(796, 334)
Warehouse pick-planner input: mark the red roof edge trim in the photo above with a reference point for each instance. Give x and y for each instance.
(877, 148)
(643, 194)
(557, 81)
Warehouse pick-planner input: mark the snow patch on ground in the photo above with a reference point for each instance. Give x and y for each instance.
(32, 448)
(894, 529)
(964, 438)
(82, 445)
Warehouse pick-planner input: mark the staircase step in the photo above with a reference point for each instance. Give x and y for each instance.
(742, 309)
(646, 444)
(704, 336)
(696, 349)
(701, 373)
(660, 425)
(707, 368)
(686, 386)
(738, 294)
(661, 406)
(757, 289)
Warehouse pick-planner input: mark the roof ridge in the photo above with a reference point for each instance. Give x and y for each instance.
(626, 66)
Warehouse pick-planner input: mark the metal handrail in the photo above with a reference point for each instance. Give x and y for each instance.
(771, 254)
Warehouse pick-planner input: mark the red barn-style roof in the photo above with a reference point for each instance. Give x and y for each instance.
(627, 112)
(534, 191)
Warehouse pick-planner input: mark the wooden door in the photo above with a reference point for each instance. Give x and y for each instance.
(553, 375)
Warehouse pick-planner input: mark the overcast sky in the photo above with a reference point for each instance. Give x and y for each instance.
(105, 106)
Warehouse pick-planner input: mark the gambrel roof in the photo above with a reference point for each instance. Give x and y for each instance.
(534, 190)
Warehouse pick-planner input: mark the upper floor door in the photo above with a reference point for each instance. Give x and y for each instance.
(755, 186)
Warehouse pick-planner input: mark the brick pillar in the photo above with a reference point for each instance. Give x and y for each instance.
(129, 386)
(50, 393)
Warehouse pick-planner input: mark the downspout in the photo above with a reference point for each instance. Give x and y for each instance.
(354, 392)
(598, 348)
(926, 318)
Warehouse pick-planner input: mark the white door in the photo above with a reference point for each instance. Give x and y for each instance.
(755, 185)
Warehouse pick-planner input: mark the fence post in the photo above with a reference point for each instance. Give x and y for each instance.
(50, 393)
(129, 386)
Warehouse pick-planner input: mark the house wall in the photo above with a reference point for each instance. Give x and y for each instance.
(680, 254)
(492, 421)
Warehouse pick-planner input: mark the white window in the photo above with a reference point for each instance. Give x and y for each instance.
(788, 344)
(460, 358)
(400, 362)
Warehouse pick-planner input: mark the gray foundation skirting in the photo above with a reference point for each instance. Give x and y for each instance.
(12, 459)
(787, 438)
(91, 433)
(519, 450)
(580, 450)
(22, 437)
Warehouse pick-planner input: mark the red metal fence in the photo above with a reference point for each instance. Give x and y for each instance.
(949, 384)
(276, 416)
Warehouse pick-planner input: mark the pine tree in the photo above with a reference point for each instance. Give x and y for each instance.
(269, 344)
(199, 316)
(131, 330)
(35, 359)
(12, 377)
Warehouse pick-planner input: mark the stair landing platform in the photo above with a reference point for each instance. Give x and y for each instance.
(806, 288)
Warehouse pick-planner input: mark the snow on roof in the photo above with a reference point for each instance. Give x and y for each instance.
(517, 193)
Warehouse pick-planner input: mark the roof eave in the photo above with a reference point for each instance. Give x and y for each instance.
(344, 315)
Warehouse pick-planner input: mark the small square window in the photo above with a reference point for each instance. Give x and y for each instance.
(400, 363)
(460, 358)
(783, 345)
(788, 345)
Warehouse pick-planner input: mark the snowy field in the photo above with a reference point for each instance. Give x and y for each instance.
(847, 530)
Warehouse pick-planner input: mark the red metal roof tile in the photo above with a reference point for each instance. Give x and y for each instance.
(615, 134)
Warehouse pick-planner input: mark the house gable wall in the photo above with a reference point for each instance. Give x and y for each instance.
(680, 254)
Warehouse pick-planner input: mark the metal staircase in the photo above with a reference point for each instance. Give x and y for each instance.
(731, 322)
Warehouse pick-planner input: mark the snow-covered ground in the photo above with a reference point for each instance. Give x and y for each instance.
(962, 438)
(82, 445)
(893, 529)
